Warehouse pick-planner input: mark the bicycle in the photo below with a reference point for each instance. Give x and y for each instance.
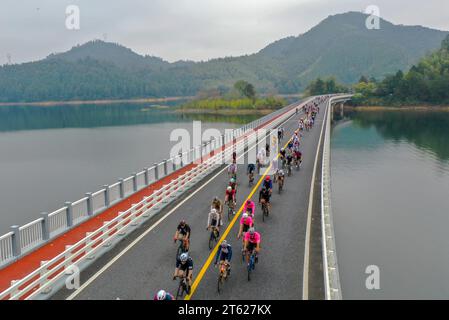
(250, 179)
(289, 169)
(182, 288)
(214, 236)
(252, 264)
(230, 205)
(181, 248)
(265, 210)
(222, 276)
(280, 184)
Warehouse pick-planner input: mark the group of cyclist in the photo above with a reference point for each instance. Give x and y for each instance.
(251, 239)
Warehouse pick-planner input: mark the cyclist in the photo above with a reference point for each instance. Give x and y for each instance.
(218, 205)
(289, 158)
(282, 156)
(281, 177)
(233, 184)
(183, 233)
(268, 183)
(279, 133)
(252, 242)
(230, 197)
(265, 195)
(249, 207)
(184, 268)
(224, 253)
(250, 171)
(213, 220)
(246, 222)
(232, 170)
(234, 157)
(163, 295)
(298, 155)
(267, 150)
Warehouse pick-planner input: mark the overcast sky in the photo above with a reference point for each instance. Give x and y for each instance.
(185, 29)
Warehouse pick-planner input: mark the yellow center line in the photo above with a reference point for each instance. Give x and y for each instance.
(225, 234)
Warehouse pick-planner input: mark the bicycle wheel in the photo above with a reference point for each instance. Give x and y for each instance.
(211, 240)
(180, 291)
(263, 212)
(249, 267)
(220, 283)
(230, 212)
(180, 250)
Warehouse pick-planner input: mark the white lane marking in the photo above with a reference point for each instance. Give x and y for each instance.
(305, 274)
(132, 244)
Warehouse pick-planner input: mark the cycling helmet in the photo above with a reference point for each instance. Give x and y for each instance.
(229, 188)
(232, 180)
(267, 178)
(161, 295)
(183, 257)
(224, 243)
(248, 202)
(214, 211)
(215, 198)
(183, 222)
(245, 215)
(251, 230)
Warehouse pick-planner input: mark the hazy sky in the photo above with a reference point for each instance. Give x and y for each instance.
(185, 29)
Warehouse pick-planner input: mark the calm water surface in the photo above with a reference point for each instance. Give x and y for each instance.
(49, 155)
(390, 197)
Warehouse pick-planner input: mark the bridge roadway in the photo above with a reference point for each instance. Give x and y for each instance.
(145, 261)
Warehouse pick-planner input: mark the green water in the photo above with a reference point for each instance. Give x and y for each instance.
(390, 198)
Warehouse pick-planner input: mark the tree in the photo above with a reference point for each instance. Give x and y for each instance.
(245, 89)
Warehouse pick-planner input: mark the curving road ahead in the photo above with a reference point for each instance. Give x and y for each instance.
(144, 262)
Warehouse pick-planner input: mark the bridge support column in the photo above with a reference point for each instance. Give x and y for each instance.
(342, 115)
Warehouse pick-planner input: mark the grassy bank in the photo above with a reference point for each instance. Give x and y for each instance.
(245, 105)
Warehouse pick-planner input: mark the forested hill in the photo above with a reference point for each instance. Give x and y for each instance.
(339, 46)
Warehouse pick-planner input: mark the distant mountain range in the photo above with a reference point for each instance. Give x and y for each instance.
(339, 46)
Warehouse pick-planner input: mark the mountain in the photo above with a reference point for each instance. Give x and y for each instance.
(339, 46)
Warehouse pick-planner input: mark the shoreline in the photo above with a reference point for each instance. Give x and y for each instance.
(403, 108)
(96, 102)
(227, 112)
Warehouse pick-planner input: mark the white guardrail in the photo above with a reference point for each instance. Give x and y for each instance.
(331, 275)
(52, 274)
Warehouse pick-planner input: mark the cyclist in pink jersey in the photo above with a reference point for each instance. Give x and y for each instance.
(249, 205)
(245, 223)
(252, 242)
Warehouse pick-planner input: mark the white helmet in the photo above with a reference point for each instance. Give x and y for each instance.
(214, 211)
(245, 215)
(161, 295)
(183, 257)
(229, 188)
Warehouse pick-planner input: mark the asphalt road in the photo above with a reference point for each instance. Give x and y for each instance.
(148, 266)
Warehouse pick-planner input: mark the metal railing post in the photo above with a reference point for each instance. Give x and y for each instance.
(107, 197)
(90, 210)
(146, 176)
(16, 246)
(174, 164)
(69, 213)
(181, 160)
(134, 181)
(165, 167)
(156, 172)
(122, 188)
(45, 226)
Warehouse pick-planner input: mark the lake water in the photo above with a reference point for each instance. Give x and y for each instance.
(49, 155)
(390, 199)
